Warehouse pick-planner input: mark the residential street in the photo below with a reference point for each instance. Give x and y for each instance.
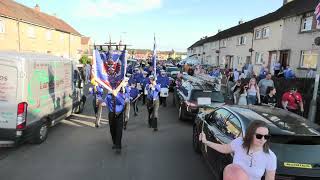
(75, 149)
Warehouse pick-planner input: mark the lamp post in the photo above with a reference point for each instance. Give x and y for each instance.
(313, 103)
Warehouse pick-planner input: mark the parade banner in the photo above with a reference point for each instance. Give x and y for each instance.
(109, 68)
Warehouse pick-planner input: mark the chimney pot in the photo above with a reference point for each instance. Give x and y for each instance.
(37, 8)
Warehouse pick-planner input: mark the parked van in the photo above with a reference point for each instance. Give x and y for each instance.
(36, 92)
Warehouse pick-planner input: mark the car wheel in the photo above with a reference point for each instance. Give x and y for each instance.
(181, 117)
(195, 140)
(41, 133)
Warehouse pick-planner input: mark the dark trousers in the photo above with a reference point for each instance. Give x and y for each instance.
(163, 100)
(153, 107)
(116, 126)
(94, 104)
(276, 72)
(135, 107)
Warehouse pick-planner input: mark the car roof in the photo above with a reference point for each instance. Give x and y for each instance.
(280, 121)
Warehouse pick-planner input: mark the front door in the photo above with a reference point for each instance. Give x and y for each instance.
(272, 60)
(284, 58)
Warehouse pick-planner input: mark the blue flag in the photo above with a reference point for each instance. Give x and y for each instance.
(154, 59)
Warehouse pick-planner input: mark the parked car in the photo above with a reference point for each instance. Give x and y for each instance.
(188, 96)
(37, 91)
(295, 140)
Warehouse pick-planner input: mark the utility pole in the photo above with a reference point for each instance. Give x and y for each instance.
(313, 103)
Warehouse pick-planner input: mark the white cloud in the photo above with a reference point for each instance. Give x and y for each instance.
(109, 8)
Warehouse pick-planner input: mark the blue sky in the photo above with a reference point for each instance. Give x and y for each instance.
(176, 23)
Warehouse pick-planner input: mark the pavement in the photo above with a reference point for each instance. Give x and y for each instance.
(76, 150)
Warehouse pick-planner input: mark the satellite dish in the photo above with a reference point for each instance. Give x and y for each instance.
(317, 41)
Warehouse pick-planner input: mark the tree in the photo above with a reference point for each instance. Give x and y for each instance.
(84, 59)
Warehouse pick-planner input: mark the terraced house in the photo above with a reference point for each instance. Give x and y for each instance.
(30, 30)
(286, 35)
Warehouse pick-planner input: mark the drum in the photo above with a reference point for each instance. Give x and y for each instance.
(164, 92)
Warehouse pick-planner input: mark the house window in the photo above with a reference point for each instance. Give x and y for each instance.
(258, 34)
(242, 40)
(2, 28)
(309, 59)
(31, 32)
(224, 43)
(49, 35)
(259, 58)
(265, 32)
(306, 24)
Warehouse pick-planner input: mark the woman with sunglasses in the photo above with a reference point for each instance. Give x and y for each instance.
(251, 152)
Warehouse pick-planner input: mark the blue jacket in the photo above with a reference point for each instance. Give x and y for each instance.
(163, 81)
(97, 90)
(120, 101)
(145, 81)
(127, 93)
(153, 94)
(215, 73)
(134, 93)
(135, 78)
(288, 74)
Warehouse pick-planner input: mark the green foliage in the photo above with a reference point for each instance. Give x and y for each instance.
(85, 59)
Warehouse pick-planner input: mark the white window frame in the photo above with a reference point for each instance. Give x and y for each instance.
(31, 32)
(308, 53)
(266, 32)
(259, 58)
(242, 40)
(306, 23)
(2, 27)
(257, 34)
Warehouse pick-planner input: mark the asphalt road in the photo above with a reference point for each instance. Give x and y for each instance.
(76, 150)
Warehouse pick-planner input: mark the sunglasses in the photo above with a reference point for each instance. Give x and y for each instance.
(266, 137)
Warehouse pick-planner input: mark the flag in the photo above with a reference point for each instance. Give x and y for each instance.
(101, 65)
(317, 13)
(154, 58)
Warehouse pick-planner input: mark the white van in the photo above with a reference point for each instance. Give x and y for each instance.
(36, 91)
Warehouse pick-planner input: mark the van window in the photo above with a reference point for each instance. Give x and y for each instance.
(8, 83)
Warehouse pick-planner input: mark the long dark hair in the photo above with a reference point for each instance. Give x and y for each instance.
(250, 133)
(242, 88)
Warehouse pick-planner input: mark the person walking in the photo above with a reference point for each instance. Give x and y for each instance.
(153, 103)
(163, 80)
(230, 84)
(236, 75)
(253, 92)
(241, 95)
(264, 84)
(270, 99)
(292, 101)
(97, 93)
(251, 153)
(116, 103)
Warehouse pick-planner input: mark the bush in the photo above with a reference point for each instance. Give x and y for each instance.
(85, 60)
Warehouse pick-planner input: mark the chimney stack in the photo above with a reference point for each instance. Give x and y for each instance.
(219, 30)
(240, 22)
(37, 8)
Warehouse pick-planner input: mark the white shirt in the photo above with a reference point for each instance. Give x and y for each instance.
(236, 76)
(254, 164)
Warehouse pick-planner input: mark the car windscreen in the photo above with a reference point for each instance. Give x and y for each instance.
(170, 69)
(283, 122)
(215, 96)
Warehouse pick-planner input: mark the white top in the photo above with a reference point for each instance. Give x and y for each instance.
(259, 161)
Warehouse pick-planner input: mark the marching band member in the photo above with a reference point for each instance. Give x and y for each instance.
(97, 93)
(153, 102)
(144, 83)
(163, 80)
